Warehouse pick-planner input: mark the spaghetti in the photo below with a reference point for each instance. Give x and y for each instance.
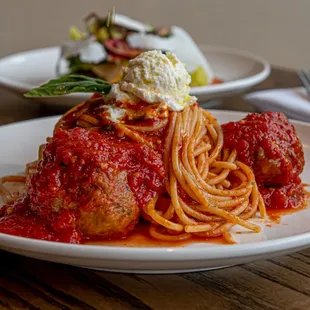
(197, 165)
(210, 191)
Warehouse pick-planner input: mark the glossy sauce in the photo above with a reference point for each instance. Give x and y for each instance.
(82, 152)
(289, 196)
(275, 215)
(269, 144)
(140, 237)
(68, 179)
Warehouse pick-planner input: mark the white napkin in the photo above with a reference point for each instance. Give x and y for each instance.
(293, 102)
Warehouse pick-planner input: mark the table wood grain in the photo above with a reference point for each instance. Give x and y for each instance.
(273, 284)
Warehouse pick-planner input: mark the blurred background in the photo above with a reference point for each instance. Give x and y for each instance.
(273, 29)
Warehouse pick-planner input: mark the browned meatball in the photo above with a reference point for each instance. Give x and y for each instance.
(113, 210)
(80, 179)
(269, 144)
(93, 185)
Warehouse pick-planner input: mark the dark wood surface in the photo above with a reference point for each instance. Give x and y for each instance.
(274, 284)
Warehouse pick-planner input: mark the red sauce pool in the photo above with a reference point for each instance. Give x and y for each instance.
(140, 237)
(289, 196)
(275, 213)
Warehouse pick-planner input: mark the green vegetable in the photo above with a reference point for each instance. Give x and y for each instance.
(199, 77)
(70, 84)
(75, 34)
(102, 34)
(78, 67)
(116, 34)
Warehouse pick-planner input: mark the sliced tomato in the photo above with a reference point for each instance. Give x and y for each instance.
(121, 48)
(115, 58)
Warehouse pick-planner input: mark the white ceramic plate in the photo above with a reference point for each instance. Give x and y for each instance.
(240, 71)
(21, 141)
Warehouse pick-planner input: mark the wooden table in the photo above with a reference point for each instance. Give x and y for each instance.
(279, 283)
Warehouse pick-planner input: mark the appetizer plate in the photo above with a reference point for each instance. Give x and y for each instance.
(20, 143)
(239, 70)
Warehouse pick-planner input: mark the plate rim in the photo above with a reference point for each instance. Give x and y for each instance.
(147, 253)
(230, 85)
(185, 253)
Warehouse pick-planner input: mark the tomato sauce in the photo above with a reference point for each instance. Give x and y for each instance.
(140, 237)
(20, 220)
(289, 196)
(269, 144)
(78, 161)
(73, 168)
(217, 80)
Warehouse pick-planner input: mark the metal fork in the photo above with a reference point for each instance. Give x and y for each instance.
(305, 80)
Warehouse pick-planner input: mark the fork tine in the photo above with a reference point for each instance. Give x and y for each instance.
(307, 75)
(305, 80)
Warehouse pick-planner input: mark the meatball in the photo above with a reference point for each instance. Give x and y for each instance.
(269, 144)
(87, 182)
(113, 210)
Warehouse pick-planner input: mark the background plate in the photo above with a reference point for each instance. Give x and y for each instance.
(240, 71)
